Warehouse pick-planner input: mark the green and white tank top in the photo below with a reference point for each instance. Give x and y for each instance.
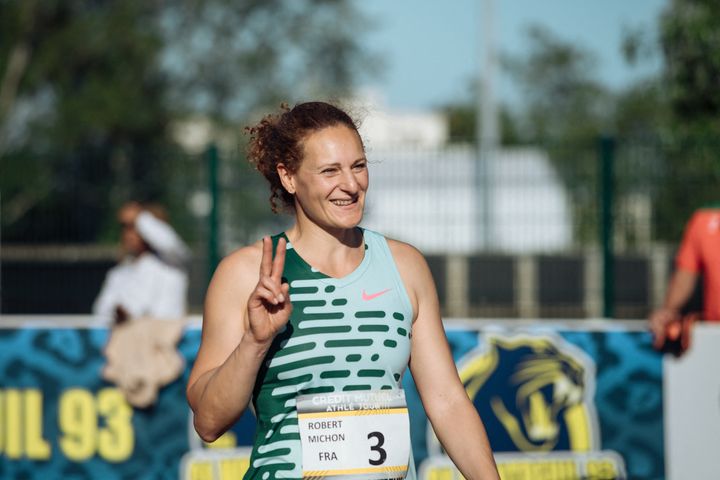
(345, 334)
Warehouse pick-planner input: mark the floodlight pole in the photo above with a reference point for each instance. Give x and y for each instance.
(487, 130)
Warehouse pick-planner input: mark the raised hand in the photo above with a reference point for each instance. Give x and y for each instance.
(269, 307)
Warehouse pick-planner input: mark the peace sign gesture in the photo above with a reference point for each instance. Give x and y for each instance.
(269, 306)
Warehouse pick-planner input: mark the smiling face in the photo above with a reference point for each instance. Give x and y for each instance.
(330, 184)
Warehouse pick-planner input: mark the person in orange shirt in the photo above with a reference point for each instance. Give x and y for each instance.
(699, 254)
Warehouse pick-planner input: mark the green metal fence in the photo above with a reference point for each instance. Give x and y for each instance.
(625, 199)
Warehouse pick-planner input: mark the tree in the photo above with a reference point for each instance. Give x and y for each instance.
(691, 46)
(562, 98)
(564, 109)
(462, 126)
(230, 59)
(82, 108)
(690, 43)
(90, 89)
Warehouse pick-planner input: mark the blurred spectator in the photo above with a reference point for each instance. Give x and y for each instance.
(151, 280)
(699, 254)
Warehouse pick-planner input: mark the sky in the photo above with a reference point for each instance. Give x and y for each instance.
(431, 49)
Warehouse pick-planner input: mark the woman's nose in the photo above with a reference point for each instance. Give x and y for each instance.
(348, 181)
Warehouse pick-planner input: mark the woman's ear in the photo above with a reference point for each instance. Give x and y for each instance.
(286, 178)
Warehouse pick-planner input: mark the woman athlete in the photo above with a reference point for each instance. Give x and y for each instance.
(315, 327)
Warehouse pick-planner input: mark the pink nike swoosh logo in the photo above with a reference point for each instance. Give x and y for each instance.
(370, 296)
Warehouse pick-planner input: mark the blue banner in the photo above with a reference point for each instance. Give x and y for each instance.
(558, 403)
(555, 402)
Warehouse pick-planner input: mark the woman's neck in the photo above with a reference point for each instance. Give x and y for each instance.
(335, 253)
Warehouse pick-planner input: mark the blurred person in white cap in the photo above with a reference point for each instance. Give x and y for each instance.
(143, 299)
(151, 279)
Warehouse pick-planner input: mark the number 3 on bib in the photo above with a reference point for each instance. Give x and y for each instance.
(378, 448)
(354, 435)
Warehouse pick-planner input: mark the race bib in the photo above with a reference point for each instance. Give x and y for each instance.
(355, 435)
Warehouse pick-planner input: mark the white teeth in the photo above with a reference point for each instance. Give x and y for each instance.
(342, 203)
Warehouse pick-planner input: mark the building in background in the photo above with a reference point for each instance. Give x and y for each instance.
(424, 191)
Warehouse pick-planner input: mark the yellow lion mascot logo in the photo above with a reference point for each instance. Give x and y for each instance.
(533, 392)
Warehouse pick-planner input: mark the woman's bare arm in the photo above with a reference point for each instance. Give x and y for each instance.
(244, 310)
(453, 416)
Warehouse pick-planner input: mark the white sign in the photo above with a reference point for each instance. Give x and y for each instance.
(355, 434)
(691, 393)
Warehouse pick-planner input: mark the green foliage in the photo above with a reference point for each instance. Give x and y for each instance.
(642, 111)
(463, 129)
(91, 90)
(96, 60)
(565, 109)
(690, 42)
(232, 59)
(665, 156)
(689, 181)
(561, 93)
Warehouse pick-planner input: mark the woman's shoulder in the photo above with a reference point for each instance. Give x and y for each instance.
(244, 254)
(241, 265)
(403, 251)
(413, 269)
(410, 263)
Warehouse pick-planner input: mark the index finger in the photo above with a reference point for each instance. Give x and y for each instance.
(278, 263)
(266, 261)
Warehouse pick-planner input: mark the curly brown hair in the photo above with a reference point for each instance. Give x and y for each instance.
(278, 138)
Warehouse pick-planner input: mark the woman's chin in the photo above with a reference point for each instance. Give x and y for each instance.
(347, 222)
